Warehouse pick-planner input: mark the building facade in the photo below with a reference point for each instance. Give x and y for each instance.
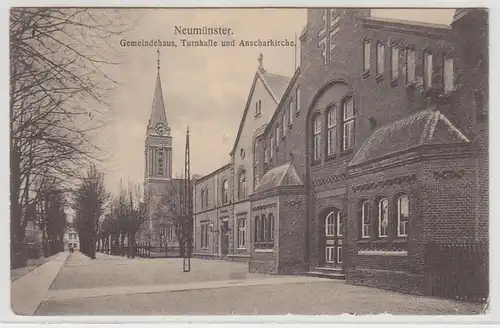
(71, 239)
(222, 198)
(375, 158)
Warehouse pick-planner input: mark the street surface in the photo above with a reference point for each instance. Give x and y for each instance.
(113, 285)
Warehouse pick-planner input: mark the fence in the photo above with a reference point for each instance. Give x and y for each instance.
(144, 250)
(458, 271)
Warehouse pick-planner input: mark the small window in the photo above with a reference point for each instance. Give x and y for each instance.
(427, 70)
(258, 107)
(284, 125)
(403, 216)
(448, 75)
(410, 66)
(365, 219)
(394, 62)
(225, 192)
(339, 222)
(256, 227)
(380, 58)
(330, 224)
(366, 55)
(290, 112)
(271, 148)
(242, 185)
(278, 134)
(242, 232)
(266, 155)
(383, 217)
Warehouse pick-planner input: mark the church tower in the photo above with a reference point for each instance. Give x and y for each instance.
(158, 143)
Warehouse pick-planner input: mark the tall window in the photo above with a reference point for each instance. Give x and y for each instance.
(383, 217)
(270, 229)
(202, 197)
(271, 148)
(366, 55)
(206, 196)
(427, 70)
(278, 134)
(339, 222)
(316, 137)
(394, 62)
(403, 216)
(258, 107)
(256, 228)
(225, 192)
(380, 58)
(160, 162)
(348, 123)
(365, 219)
(204, 235)
(255, 176)
(242, 185)
(266, 155)
(284, 125)
(330, 224)
(448, 74)
(290, 112)
(297, 99)
(332, 130)
(242, 233)
(410, 65)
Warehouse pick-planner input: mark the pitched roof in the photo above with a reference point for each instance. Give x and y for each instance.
(158, 114)
(426, 127)
(283, 175)
(276, 86)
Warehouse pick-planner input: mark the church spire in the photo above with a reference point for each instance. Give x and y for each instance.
(158, 115)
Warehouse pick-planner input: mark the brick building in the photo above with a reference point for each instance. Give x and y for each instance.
(377, 151)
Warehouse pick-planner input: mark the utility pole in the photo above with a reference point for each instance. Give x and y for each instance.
(188, 208)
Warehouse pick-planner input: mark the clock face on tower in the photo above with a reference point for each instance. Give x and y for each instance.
(160, 129)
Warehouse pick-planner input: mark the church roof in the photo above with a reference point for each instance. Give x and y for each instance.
(427, 127)
(158, 114)
(283, 175)
(275, 84)
(462, 12)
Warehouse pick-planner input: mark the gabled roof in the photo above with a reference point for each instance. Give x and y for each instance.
(426, 127)
(274, 84)
(283, 175)
(158, 114)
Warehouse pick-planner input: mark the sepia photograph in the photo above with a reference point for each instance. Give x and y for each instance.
(249, 161)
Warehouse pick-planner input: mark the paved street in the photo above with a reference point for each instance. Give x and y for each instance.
(113, 285)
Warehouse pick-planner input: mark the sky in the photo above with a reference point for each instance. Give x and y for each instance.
(205, 88)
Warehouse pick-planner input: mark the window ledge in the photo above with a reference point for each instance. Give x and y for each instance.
(347, 152)
(264, 250)
(297, 113)
(365, 73)
(315, 162)
(383, 253)
(241, 249)
(365, 240)
(379, 77)
(394, 81)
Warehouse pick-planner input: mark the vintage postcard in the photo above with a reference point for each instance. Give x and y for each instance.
(249, 161)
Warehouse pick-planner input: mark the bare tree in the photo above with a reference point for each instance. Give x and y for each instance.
(58, 90)
(89, 203)
(171, 208)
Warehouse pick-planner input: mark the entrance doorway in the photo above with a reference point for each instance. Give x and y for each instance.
(332, 239)
(225, 238)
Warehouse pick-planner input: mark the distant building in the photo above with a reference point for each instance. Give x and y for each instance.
(71, 239)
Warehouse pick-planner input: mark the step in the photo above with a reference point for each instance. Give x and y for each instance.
(326, 269)
(337, 276)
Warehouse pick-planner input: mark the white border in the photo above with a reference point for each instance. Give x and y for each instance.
(431, 321)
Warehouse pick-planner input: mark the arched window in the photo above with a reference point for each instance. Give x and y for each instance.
(383, 217)
(365, 219)
(403, 215)
(316, 137)
(348, 123)
(160, 163)
(330, 224)
(225, 192)
(242, 185)
(331, 130)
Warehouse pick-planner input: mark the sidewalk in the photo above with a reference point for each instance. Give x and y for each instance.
(32, 264)
(28, 291)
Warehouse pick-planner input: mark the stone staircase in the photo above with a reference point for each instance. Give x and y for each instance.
(327, 272)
